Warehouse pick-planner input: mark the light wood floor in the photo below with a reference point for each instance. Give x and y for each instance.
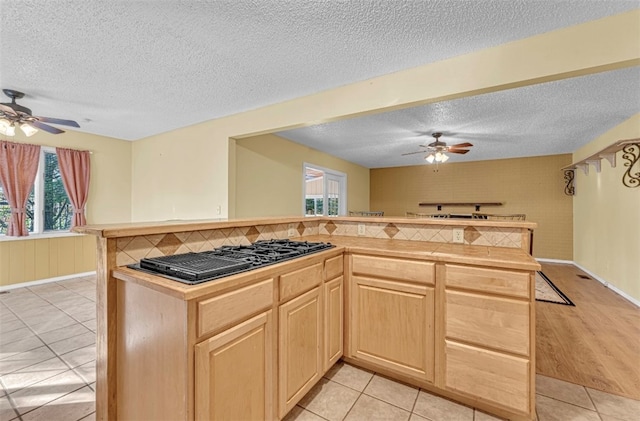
(594, 344)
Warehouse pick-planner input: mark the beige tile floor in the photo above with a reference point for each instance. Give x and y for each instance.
(47, 372)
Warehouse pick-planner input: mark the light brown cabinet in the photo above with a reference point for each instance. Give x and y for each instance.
(239, 358)
(463, 331)
(333, 311)
(300, 343)
(488, 352)
(333, 321)
(392, 320)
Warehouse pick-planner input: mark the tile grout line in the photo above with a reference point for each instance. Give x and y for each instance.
(572, 404)
(54, 304)
(15, 407)
(390, 403)
(592, 402)
(10, 402)
(59, 397)
(415, 401)
(34, 333)
(358, 398)
(9, 397)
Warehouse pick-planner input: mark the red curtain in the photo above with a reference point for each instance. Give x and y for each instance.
(18, 169)
(75, 168)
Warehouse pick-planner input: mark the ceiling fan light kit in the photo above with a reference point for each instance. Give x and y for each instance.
(437, 157)
(13, 114)
(28, 130)
(436, 150)
(6, 127)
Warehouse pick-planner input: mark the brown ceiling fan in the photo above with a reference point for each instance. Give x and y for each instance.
(436, 150)
(14, 115)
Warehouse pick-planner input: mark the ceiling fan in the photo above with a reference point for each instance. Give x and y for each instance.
(436, 150)
(13, 115)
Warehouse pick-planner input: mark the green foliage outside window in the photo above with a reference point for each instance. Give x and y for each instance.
(5, 212)
(313, 206)
(332, 206)
(57, 207)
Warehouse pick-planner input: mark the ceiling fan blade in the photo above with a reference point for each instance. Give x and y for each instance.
(462, 145)
(413, 153)
(58, 121)
(46, 127)
(460, 151)
(7, 110)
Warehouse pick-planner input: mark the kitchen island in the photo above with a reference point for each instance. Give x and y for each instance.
(395, 295)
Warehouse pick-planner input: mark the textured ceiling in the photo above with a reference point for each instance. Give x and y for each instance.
(544, 119)
(131, 69)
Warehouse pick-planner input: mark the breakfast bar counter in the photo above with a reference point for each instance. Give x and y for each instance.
(394, 295)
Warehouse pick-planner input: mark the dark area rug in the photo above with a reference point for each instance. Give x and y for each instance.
(549, 293)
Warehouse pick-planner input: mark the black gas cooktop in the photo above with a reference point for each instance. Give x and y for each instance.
(194, 268)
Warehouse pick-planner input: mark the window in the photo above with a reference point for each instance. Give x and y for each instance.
(48, 207)
(325, 191)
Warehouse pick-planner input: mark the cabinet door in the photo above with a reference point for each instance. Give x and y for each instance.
(392, 325)
(300, 340)
(333, 321)
(234, 372)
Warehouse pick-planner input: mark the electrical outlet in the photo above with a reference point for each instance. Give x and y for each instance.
(361, 229)
(458, 235)
(218, 210)
(291, 232)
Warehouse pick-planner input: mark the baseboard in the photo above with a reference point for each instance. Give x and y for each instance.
(609, 285)
(45, 281)
(566, 262)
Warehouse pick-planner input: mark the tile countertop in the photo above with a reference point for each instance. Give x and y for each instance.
(507, 258)
(504, 258)
(171, 226)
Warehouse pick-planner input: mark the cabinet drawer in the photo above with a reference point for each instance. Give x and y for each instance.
(333, 267)
(505, 282)
(385, 267)
(299, 281)
(495, 322)
(497, 378)
(227, 309)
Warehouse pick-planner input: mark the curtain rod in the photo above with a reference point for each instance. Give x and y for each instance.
(47, 146)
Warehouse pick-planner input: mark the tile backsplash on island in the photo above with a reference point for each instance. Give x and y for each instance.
(131, 249)
(479, 236)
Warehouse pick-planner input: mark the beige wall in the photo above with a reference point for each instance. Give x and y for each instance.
(269, 174)
(187, 173)
(533, 186)
(181, 174)
(606, 215)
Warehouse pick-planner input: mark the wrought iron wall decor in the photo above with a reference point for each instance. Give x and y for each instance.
(631, 154)
(569, 177)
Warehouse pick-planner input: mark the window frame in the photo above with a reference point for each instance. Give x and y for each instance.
(328, 174)
(38, 198)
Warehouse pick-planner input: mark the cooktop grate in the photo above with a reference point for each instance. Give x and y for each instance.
(193, 266)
